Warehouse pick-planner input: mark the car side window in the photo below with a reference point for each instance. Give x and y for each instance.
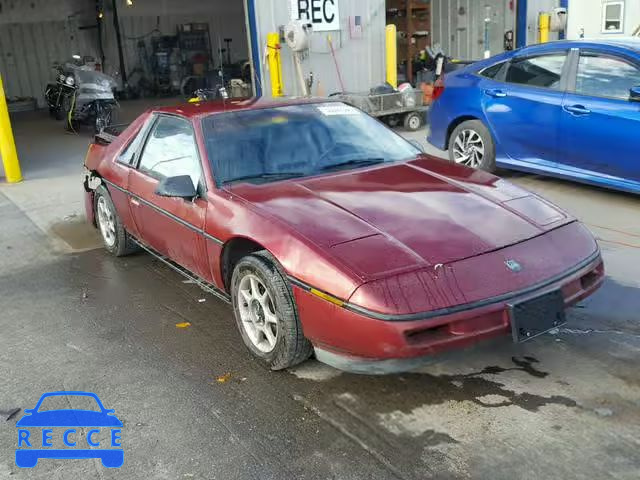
(606, 76)
(171, 150)
(540, 71)
(127, 156)
(492, 71)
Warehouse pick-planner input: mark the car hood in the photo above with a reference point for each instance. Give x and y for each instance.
(392, 217)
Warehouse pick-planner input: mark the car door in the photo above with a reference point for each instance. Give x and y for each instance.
(600, 121)
(524, 111)
(172, 226)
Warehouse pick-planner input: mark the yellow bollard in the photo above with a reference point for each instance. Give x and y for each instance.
(7, 144)
(545, 26)
(275, 64)
(391, 49)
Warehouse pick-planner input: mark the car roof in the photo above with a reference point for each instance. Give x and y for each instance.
(209, 107)
(630, 43)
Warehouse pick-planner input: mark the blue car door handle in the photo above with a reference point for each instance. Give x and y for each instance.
(576, 109)
(497, 93)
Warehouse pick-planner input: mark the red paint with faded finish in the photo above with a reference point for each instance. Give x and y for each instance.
(395, 239)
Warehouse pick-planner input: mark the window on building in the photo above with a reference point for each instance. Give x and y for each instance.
(604, 76)
(612, 17)
(541, 71)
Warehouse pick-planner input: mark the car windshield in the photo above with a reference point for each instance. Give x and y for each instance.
(270, 144)
(62, 402)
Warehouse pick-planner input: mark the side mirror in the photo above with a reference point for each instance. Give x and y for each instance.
(180, 186)
(634, 94)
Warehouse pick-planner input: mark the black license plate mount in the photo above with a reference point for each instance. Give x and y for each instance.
(537, 316)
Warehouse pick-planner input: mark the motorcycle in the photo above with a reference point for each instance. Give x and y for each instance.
(55, 93)
(92, 101)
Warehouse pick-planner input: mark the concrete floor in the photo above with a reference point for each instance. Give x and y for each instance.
(562, 406)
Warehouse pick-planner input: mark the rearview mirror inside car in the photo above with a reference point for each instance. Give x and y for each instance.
(180, 186)
(634, 94)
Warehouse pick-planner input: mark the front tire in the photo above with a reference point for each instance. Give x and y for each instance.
(266, 313)
(471, 145)
(115, 238)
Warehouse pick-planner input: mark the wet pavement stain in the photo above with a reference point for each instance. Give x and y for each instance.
(410, 390)
(431, 438)
(77, 233)
(525, 364)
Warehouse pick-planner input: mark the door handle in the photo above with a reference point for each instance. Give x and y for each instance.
(576, 109)
(496, 93)
(135, 202)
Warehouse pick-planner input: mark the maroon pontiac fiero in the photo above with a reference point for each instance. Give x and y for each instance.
(328, 232)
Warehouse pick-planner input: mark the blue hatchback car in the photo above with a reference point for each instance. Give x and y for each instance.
(568, 109)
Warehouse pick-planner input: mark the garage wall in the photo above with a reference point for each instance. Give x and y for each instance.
(458, 26)
(587, 15)
(36, 33)
(534, 9)
(150, 17)
(361, 60)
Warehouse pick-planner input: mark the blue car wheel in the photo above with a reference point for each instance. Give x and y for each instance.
(471, 145)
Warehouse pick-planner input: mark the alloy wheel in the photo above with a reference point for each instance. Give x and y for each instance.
(258, 313)
(468, 148)
(106, 221)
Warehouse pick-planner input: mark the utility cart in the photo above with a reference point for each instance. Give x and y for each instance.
(405, 107)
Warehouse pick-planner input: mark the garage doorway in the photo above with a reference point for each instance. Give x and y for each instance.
(152, 48)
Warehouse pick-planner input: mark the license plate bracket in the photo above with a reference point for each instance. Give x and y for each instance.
(537, 316)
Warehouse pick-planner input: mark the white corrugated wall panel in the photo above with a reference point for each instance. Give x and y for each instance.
(361, 60)
(458, 26)
(34, 35)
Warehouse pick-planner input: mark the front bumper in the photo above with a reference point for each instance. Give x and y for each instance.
(353, 341)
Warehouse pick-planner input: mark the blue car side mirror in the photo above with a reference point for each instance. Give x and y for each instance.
(634, 94)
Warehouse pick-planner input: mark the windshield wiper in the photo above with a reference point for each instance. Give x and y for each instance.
(359, 162)
(267, 176)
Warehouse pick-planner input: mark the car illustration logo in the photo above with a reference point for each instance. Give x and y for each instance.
(59, 433)
(513, 265)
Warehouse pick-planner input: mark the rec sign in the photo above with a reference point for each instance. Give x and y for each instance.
(322, 14)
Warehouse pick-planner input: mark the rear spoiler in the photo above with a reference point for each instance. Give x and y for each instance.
(109, 134)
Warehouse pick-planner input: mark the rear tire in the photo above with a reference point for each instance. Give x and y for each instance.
(471, 145)
(115, 238)
(265, 312)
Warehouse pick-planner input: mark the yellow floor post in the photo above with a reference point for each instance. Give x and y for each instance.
(7, 144)
(545, 26)
(391, 49)
(275, 64)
